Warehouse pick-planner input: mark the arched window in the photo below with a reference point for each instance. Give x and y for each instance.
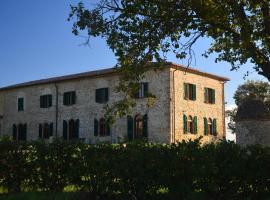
(46, 131)
(210, 126)
(102, 127)
(190, 125)
(138, 126)
(71, 129)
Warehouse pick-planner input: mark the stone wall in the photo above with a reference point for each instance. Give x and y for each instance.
(86, 109)
(253, 132)
(198, 107)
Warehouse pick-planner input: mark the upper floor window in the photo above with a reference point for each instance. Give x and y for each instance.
(46, 101)
(143, 91)
(69, 98)
(102, 95)
(45, 130)
(210, 126)
(190, 124)
(20, 104)
(189, 91)
(209, 95)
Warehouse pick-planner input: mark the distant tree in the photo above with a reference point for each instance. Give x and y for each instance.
(139, 31)
(253, 90)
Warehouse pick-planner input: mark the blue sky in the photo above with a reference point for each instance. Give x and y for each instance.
(36, 42)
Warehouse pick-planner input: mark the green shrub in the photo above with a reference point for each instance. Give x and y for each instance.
(138, 170)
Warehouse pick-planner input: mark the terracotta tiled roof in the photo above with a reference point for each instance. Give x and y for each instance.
(104, 72)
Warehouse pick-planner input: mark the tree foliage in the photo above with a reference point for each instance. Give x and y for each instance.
(250, 90)
(186, 170)
(139, 31)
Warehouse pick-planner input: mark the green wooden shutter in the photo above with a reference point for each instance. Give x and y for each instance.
(97, 95)
(65, 129)
(185, 91)
(185, 124)
(24, 132)
(195, 125)
(106, 94)
(14, 132)
(40, 131)
(73, 97)
(145, 126)
(214, 127)
(65, 99)
(50, 100)
(95, 127)
(193, 92)
(205, 95)
(205, 126)
(51, 129)
(41, 101)
(130, 128)
(77, 128)
(213, 96)
(145, 89)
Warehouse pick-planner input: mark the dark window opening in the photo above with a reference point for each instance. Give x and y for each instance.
(19, 132)
(20, 104)
(69, 98)
(102, 95)
(45, 101)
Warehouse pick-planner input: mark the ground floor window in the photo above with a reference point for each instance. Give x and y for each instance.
(137, 128)
(19, 132)
(101, 128)
(210, 126)
(45, 130)
(190, 124)
(71, 129)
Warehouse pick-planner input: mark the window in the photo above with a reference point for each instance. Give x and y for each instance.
(137, 128)
(189, 91)
(69, 98)
(71, 129)
(102, 95)
(20, 104)
(190, 124)
(45, 101)
(101, 128)
(19, 132)
(45, 130)
(143, 90)
(209, 95)
(210, 127)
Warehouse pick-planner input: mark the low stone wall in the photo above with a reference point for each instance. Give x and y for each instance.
(253, 132)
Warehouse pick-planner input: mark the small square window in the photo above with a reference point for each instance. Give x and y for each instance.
(143, 91)
(102, 95)
(45, 101)
(209, 95)
(189, 91)
(69, 98)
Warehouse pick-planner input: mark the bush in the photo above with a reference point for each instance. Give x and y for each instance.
(137, 170)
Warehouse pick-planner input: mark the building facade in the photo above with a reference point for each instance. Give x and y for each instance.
(189, 104)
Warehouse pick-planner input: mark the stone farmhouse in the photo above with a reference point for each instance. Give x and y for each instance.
(189, 104)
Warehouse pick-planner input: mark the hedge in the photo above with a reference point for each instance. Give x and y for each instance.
(186, 170)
